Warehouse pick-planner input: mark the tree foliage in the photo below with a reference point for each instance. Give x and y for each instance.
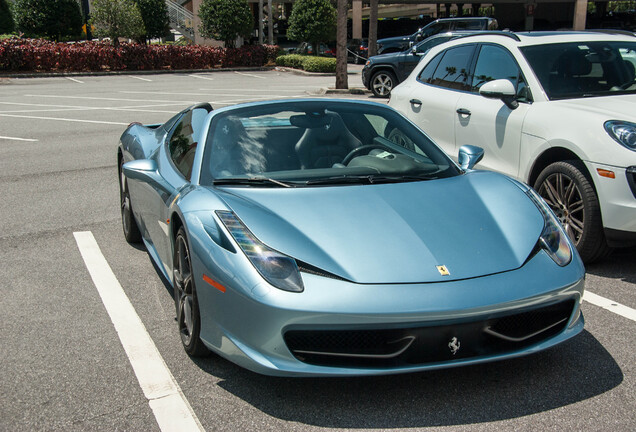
(6, 18)
(53, 19)
(154, 14)
(225, 20)
(312, 21)
(117, 18)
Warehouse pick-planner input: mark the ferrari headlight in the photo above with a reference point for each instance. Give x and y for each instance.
(553, 239)
(622, 132)
(279, 270)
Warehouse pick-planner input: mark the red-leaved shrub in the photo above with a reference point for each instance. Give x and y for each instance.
(39, 55)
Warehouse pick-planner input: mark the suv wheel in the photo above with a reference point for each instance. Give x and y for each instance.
(567, 189)
(382, 83)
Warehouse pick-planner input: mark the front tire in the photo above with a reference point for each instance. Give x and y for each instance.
(185, 298)
(568, 190)
(382, 83)
(128, 222)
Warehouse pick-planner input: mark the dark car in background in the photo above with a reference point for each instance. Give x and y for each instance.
(357, 50)
(383, 72)
(306, 48)
(401, 43)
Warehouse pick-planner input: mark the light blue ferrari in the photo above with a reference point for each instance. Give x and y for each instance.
(330, 237)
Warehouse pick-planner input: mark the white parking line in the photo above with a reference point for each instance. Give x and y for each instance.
(140, 78)
(201, 77)
(63, 119)
(111, 99)
(170, 407)
(74, 80)
(610, 305)
(18, 139)
(249, 75)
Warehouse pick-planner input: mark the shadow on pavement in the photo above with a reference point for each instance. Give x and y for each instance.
(579, 369)
(621, 264)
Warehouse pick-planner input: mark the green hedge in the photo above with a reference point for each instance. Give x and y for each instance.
(308, 63)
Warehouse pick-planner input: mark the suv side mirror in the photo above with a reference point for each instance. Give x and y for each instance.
(469, 156)
(500, 89)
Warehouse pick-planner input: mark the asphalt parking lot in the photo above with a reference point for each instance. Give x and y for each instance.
(64, 367)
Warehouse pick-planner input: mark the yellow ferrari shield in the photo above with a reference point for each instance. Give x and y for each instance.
(443, 270)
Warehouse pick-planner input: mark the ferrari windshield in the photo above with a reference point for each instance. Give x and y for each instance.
(314, 143)
(584, 69)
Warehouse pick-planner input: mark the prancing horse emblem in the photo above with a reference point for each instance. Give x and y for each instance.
(454, 345)
(443, 270)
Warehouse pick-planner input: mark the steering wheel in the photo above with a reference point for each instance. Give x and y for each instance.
(356, 151)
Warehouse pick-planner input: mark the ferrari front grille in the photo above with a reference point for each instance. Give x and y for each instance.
(421, 344)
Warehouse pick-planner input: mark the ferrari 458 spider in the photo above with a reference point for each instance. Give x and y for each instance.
(329, 237)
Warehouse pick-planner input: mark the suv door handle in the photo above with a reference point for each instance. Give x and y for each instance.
(415, 102)
(463, 111)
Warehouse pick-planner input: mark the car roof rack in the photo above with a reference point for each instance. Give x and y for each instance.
(506, 33)
(612, 31)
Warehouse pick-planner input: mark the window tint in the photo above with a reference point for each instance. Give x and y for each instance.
(470, 25)
(433, 29)
(432, 42)
(494, 63)
(184, 140)
(426, 76)
(497, 63)
(453, 68)
(583, 69)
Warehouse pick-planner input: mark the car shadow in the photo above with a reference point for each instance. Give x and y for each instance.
(576, 370)
(619, 265)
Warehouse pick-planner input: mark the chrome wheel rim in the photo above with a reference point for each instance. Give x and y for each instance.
(382, 84)
(183, 291)
(563, 196)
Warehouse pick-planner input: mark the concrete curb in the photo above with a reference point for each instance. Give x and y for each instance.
(353, 90)
(138, 72)
(305, 73)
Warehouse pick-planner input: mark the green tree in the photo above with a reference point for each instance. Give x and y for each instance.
(154, 14)
(225, 20)
(6, 18)
(312, 21)
(53, 19)
(117, 18)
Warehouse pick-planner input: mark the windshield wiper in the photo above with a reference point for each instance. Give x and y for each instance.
(251, 181)
(368, 179)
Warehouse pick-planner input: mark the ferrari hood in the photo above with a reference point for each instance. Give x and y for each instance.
(475, 224)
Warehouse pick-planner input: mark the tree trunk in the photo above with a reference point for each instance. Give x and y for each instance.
(373, 28)
(341, 46)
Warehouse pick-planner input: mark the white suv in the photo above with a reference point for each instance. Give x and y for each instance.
(556, 110)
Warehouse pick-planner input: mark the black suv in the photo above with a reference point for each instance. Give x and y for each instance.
(383, 72)
(401, 43)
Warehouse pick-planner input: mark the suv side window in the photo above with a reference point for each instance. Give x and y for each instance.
(184, 140)
(426, 76)
(451, 69)
(470, 25)
(494, 63)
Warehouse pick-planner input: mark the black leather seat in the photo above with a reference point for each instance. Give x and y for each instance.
(324, 146)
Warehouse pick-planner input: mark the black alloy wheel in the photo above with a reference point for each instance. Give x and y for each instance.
(382, 83)
(569, 192)
(128, 222)
(185, 298)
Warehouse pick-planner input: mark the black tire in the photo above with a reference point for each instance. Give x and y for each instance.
(128, 222)
(185, 298)
(569, 191)
(382, 82)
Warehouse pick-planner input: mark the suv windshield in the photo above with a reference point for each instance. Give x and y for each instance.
(318, 143)
(584, 69)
